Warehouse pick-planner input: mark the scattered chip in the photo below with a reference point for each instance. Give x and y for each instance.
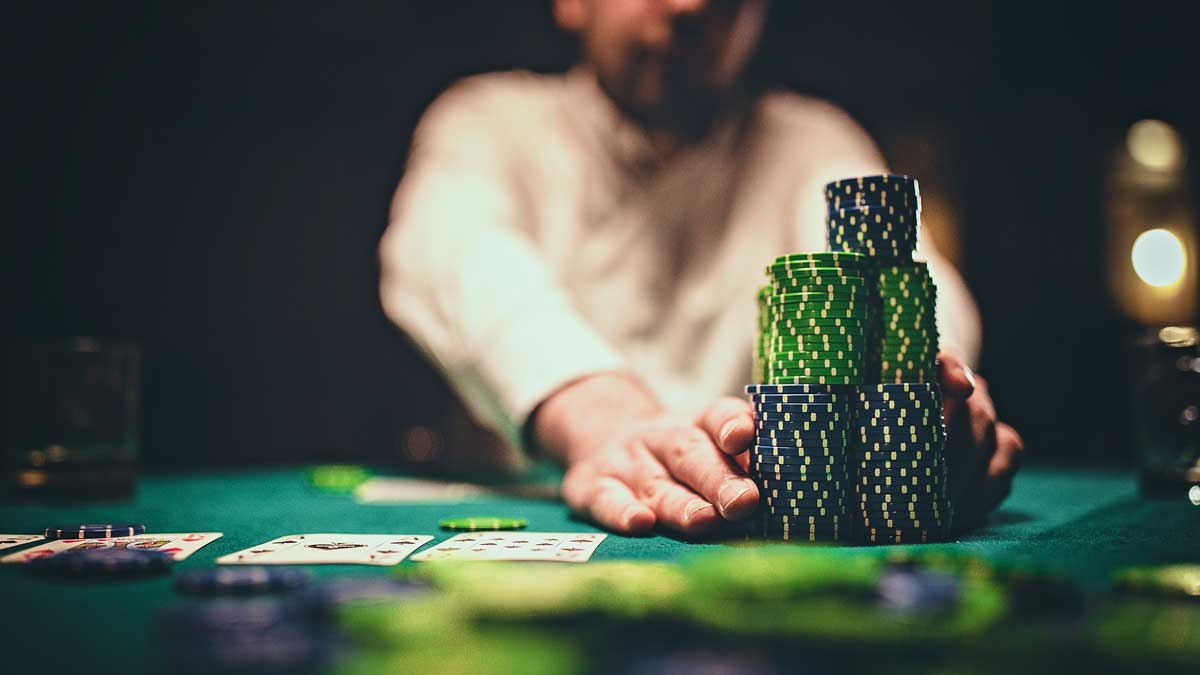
(240, 580)
(338, 477)
(101, 563)
(477, 523)
(106, 531)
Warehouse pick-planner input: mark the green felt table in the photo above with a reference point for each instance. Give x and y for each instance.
(1084, 523)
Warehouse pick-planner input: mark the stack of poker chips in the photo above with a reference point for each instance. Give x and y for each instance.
(900, 493)
(879, 217)
(799, 460)
(812, 321)
(874, 215)
(817, 313)
(905, 347)
(899, 435)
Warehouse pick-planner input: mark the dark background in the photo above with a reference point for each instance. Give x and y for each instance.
(212, 181)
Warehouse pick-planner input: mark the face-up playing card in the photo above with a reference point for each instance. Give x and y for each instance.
(11, 540)
(329, 549)
(391, 490)
(179, 544)
(545, 546)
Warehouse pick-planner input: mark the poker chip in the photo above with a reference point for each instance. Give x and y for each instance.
(323, 600)
(337, 478)
(917, 591)
(239, 580)
(247, 635)
(106, 531)
(1181, 581)
(101, 563)
(478, 523)
(847, 407)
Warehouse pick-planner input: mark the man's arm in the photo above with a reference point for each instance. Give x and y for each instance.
(465, 282)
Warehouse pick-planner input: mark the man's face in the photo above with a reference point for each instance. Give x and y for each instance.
(665, 60)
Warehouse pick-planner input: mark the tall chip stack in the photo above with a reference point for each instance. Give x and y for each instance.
(813, 319)
(900, 493)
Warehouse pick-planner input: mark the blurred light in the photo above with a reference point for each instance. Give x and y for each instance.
(1159, 258)
(1189, 415)
(1155, 145)
(421, 444)
(1194, 495)
(31, 478)
(1178, 336)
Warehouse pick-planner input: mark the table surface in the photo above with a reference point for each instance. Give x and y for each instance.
(1084, 523)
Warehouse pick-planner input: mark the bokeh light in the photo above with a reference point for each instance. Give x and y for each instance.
(1159, 258)
(1155, 145)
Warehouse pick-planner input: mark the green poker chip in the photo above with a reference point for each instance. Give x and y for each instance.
(478, 523)
(1169, 581)
(845, 357)
(854, 258)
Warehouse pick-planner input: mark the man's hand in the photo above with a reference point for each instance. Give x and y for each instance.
(631, 466)
(983, 453)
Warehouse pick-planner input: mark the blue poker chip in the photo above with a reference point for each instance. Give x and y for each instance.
(837, 479)
(895, 467)
(322, 600)
(931, 418)
(798, 389)
(917, 591)
(801, 472)
(895, 475)
(803, 421)
(798, 499)
(251, 635)
(803, 447)
(801, 524)
(801, 429)
(804, 514)
(897, 410)
(793, 456)
(835, 418)
(103, 531)
(929, 435)
(101, 563)
(240, 580)
(809, 444)
(839, 399)
(897, 446)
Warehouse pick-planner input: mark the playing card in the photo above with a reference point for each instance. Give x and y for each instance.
(546, 546)
(11, 540)
(388, 490)
(179, 544)
(325, 549)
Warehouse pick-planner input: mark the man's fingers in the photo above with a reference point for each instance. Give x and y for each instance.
(1010, 450)
(677, 507)
(956, 377)
(982, 415)
(730, 424)
(608, 501)
(694, 460)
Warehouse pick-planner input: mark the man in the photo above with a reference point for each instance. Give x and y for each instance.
(580, 256)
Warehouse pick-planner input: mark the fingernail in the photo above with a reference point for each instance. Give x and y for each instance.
(725, 431)
(969, 375)
(730, 492)
(694, 507)
(630, 511)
